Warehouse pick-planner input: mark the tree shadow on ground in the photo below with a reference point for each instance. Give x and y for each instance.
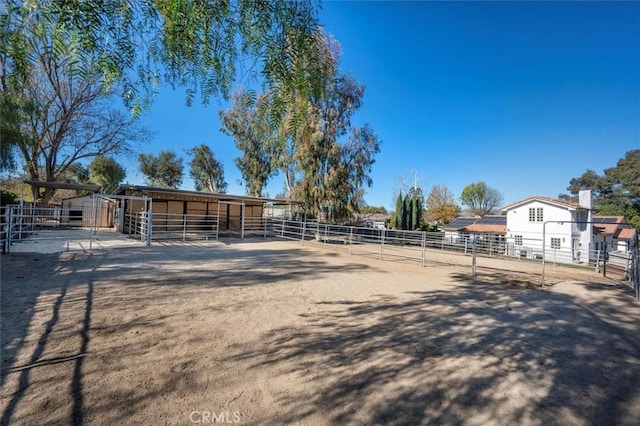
(476, 353)
(36, 288)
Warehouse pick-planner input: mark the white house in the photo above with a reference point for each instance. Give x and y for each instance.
(570, 231)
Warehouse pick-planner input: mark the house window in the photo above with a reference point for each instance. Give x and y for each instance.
(518, 240)
(555, 243)
(535, 214)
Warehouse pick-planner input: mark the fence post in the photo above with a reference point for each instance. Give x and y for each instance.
(265, 227)
(9, 226)
(149, 228)
(473, 258)
(20, 223)
(424, 246)
(282, 229)
(304, 229)
(184, 228)
(382, 233)
(350, 239)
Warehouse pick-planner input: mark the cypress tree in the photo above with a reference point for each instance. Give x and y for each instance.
(416, 211)
(399, 207)
(406, 212)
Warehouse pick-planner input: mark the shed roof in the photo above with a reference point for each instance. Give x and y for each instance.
(490, 224)
(146, 190)
(63, 185)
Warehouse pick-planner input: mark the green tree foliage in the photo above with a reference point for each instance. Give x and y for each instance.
(480, 198)
(163, 170)
(207, 172)
(373, 210)
(10, 129)
(441, 207)
(8, 197)
(106, 172)
(616, 191)
(416, 213)
(331, 172)
(254, 138)
(408, 214)
(349, 173)
(141, 44)
(397, 216)
(76, 173)
(325, 160)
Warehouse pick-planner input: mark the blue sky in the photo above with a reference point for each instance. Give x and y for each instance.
(521, 95)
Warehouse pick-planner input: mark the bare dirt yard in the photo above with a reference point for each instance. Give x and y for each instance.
(265, 332)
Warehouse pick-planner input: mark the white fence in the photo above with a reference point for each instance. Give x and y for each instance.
(19, 223)
(427, 247)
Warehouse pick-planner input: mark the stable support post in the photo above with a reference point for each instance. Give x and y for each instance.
(304, 229)
(242, 212)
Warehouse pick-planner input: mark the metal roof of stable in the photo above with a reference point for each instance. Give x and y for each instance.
(218, 196)
(64, 185)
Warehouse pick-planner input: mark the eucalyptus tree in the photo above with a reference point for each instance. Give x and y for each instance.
(254, 138)
(206, 171)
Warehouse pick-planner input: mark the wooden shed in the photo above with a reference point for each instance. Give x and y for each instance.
(88, 210)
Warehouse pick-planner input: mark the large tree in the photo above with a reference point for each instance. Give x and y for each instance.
(441, 207)
(61, 118)
(106, 172)
(254, 138)
(480, 198)
(207, 172)
(322, 125)
(163, 170)
(616, 191)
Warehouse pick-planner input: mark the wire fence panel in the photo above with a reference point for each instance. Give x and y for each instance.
(55, 229)
(489, 251)
(184, 226)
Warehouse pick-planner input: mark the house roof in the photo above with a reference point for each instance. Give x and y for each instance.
(218, 196)
(607, 225)
(490, 224)
(615, 226)
(555, 202)
(459, 223)
(625, 234)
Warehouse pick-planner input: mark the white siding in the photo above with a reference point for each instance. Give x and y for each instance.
(567, 233)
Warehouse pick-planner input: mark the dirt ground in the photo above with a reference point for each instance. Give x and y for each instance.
(268, 332)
